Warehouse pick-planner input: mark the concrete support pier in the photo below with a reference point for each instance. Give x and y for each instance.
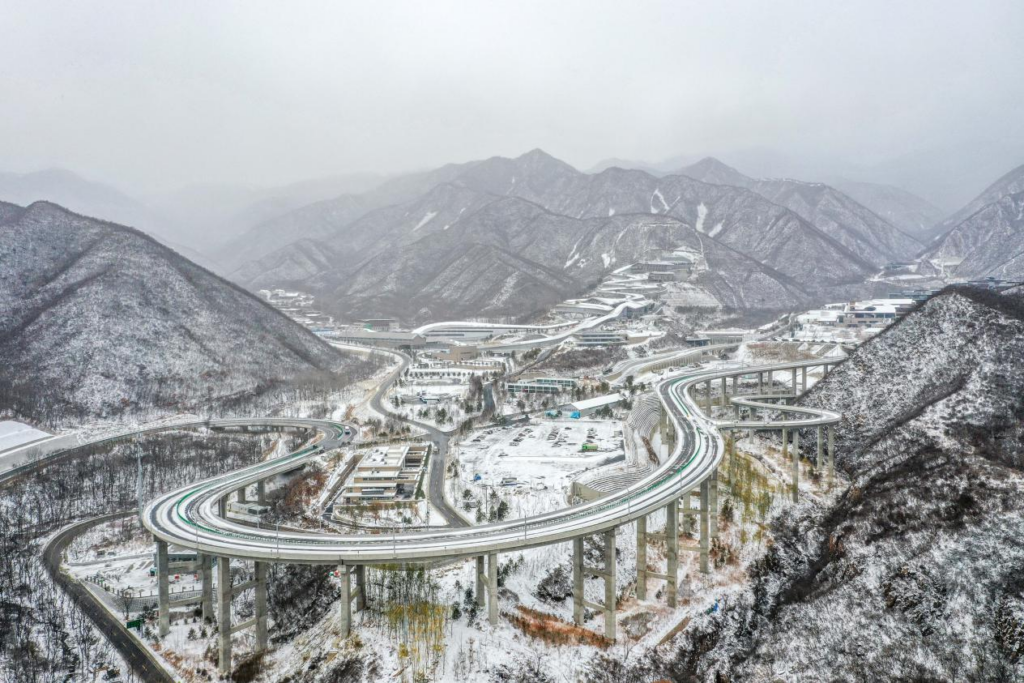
(481, 581)
(795, 466)
(687, 513)
(803, 380)
(492, 589)
(224, 614)
(641, 558)
(609, 584)
(577, 581)
(725, 394)
(671, 553)
(261, 606)
(819, 460)
(713, 499)
(163, 589)
(261, 492)
(831, 453)
(345, 601)
(360, 587)
(705, 541)
(206, 572)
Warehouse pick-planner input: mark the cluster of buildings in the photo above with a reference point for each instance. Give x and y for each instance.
(669, 266)
(299, 307)
(853, 321)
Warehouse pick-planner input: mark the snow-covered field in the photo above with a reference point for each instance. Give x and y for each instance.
(532, 466)
(16, 433)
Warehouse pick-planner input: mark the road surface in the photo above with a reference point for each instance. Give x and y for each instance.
(135, 654)
(188, 517)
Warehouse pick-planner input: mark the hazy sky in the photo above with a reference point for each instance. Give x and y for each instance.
(151, 95)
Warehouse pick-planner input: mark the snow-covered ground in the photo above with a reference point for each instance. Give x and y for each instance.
(531, 467)
(17, 433)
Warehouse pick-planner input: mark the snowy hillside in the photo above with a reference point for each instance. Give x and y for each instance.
(908, 212)
(322, 219)
(858, 228)
(915, 571)
(513, 236)
(990, 241)
(1011, 183)
(98, 320)
(458, 251)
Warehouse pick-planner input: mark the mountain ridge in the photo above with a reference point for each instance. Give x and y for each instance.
(101, 320)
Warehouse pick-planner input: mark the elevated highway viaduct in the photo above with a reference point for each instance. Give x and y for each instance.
(193, 516)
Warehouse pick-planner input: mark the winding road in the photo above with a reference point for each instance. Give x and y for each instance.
(188, 516)
(134, 653)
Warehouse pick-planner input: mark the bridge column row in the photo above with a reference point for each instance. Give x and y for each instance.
(607, 572)
(350, 594)
(224, 594)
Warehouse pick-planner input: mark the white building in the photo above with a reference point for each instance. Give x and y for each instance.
(386, 475)
(592, 405)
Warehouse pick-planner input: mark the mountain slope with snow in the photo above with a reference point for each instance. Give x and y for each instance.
(99, 320)
(325, 218)
(766, 232)
(841, 217)
(990, 241)
(908, 212)
(1010, 183)
(913, 572)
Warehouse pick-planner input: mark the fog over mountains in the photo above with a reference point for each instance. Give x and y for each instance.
(838, 215)
(508, 237)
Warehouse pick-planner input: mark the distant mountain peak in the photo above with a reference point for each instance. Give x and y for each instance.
(538, 158)
(716, 172)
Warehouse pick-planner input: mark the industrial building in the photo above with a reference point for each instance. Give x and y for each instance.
(542, 385)
(668, 267)
(391, 340)
(600, 337)
(732, 335)
(592, 405)
(378, 324)
(386, 475)
(455, 353)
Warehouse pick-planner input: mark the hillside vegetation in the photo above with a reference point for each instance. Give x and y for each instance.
(99, 320)
(916, 570)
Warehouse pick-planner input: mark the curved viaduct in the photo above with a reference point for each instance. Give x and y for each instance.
(193, 516)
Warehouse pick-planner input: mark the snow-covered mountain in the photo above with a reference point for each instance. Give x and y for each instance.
(323, 219)
(914, 572)
(711, 170)
(744, 220)
(100, 320)
(1010, 183)
(859, 229)
(913, 215)
(458, 251)
(208, 215)
(990, 241)
(810, 239)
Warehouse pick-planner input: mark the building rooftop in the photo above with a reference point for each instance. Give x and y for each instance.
(597, 401)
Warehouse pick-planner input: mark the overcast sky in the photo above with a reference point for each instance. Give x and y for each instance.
(150, 95)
